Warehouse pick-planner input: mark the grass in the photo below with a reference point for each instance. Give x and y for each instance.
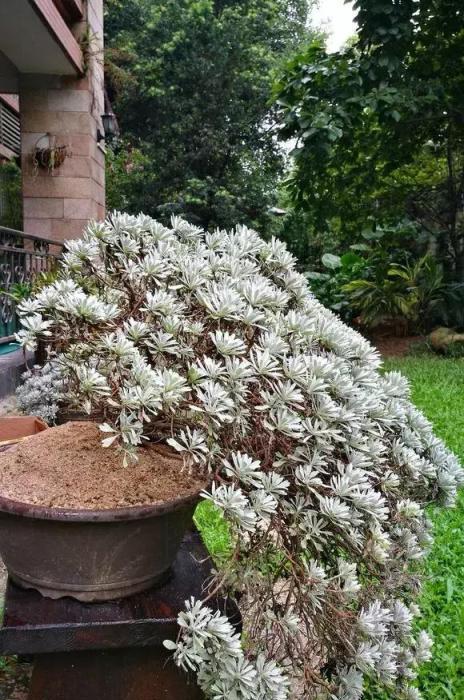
(438, 389)
(214, 530)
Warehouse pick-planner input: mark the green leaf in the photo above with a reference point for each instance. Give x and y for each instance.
(371, 235)
(362, 247)
(313, 275)
(333, 262)
(350, 259)
(449, 589)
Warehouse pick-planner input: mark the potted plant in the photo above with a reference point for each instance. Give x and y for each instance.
(50, 158)
(48, 155)
(211, 344)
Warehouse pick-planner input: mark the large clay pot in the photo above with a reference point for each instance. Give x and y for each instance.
(92, 555)
(13, 429)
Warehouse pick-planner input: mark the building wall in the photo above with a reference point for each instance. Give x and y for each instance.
(65, 111)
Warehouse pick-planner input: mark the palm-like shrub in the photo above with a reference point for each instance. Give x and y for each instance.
(412, 292)
(320, 464)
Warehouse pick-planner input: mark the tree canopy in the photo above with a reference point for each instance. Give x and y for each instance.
(190, 81)
(379, 125)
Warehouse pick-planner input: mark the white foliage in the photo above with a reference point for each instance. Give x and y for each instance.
(213, 341)
(41, 391)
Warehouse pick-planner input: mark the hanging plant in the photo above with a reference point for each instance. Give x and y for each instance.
(50, 156)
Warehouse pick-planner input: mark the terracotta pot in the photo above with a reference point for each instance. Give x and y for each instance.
(13, 429)
(92, 555)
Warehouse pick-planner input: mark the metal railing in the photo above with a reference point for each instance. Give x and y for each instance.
(23, 258)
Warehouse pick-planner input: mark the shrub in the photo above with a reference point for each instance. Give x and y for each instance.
(320, 465)
(40, 392)
(381, 288)
(10, 195)
(328, 286)
(414, 291)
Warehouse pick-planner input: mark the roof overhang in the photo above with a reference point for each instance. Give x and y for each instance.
(8, 75)
(35, 38)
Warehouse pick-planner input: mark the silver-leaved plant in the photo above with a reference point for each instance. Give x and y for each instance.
(319, 463)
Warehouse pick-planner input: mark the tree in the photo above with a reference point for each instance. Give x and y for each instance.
(190, 81)
(10, 195)
(367, 118)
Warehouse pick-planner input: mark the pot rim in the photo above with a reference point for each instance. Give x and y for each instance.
(104, 515)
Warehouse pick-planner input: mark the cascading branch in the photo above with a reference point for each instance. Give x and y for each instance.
(320, 464)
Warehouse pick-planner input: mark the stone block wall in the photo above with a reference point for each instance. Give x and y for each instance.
(65, 111)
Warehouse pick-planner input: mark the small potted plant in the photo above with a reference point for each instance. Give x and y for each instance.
(48, 155)
(211, 345)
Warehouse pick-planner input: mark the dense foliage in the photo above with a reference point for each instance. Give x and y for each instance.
(190, 81)
(379, 125)
(10, 195)
(40, 392)
(387, 282)
(321, 466)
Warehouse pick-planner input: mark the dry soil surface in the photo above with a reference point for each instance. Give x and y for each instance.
(67, 467)
(390, 346)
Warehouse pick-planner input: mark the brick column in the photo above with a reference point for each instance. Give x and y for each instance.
(67, 111)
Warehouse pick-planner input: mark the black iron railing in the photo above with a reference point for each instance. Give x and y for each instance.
(24, 257)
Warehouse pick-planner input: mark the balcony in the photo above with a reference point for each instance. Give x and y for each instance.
(35, 37)
(57, 104)
(71, 10)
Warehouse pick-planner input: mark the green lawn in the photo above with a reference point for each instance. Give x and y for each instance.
(438, 389)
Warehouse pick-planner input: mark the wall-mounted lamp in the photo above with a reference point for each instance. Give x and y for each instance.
(110, 127)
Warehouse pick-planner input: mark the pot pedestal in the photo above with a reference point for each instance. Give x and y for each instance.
(108, 650)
